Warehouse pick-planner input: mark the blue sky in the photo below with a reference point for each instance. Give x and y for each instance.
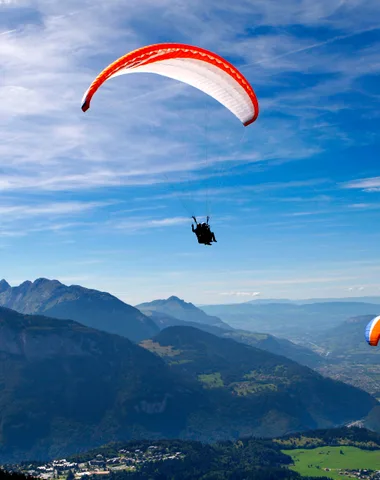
(103, 199)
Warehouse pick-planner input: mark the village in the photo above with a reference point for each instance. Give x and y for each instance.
(132, 460)
(99, 465)
(362, 474)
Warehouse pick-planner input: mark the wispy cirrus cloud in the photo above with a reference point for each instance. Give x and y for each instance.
(356, 289)
(54, 209)
(366, 184)
(217, 192)
(20, 220)
(365, 206)
(307, 213)
(132, 225)
(53, 53)
(13, 229)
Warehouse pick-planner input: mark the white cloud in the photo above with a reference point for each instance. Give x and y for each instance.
(365, 206)
(356, 289)
(19, 220)
(201, 194)
(371, 184)
(273, 59)
(54, 209)
(307, 213)
(132, 225)
(23, 229)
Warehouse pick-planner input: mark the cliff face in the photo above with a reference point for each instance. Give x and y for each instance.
(38, 346)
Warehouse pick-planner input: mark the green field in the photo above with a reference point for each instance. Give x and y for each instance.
(212, 380)
(313, 462)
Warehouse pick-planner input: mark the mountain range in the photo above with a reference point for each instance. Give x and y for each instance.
(265, 301)
(67, 387)
(267, 342)
(105, 312)
(90, 307)
(174, 307)
(295, 322)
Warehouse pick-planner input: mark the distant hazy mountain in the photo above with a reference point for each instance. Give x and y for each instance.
(92, 308)
(279, 346)
(163, 320)
(177, 308)
(290, 320)
(373, 300)
(265, 392)
(348, 356)
(265, 301)
(348, 340)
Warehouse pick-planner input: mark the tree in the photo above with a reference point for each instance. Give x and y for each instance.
(70, 475)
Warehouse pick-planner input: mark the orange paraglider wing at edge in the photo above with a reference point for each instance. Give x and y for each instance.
(372, 332)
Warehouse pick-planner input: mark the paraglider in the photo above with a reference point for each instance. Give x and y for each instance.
(372, 332)
(203, 232)
(197, 67)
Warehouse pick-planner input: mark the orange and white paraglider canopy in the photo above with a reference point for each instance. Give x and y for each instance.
(195, 66)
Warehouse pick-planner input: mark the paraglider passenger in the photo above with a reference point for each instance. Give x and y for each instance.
(198, 231)
(203, 232)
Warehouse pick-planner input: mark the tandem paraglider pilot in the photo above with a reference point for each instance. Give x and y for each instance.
(203, 232)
